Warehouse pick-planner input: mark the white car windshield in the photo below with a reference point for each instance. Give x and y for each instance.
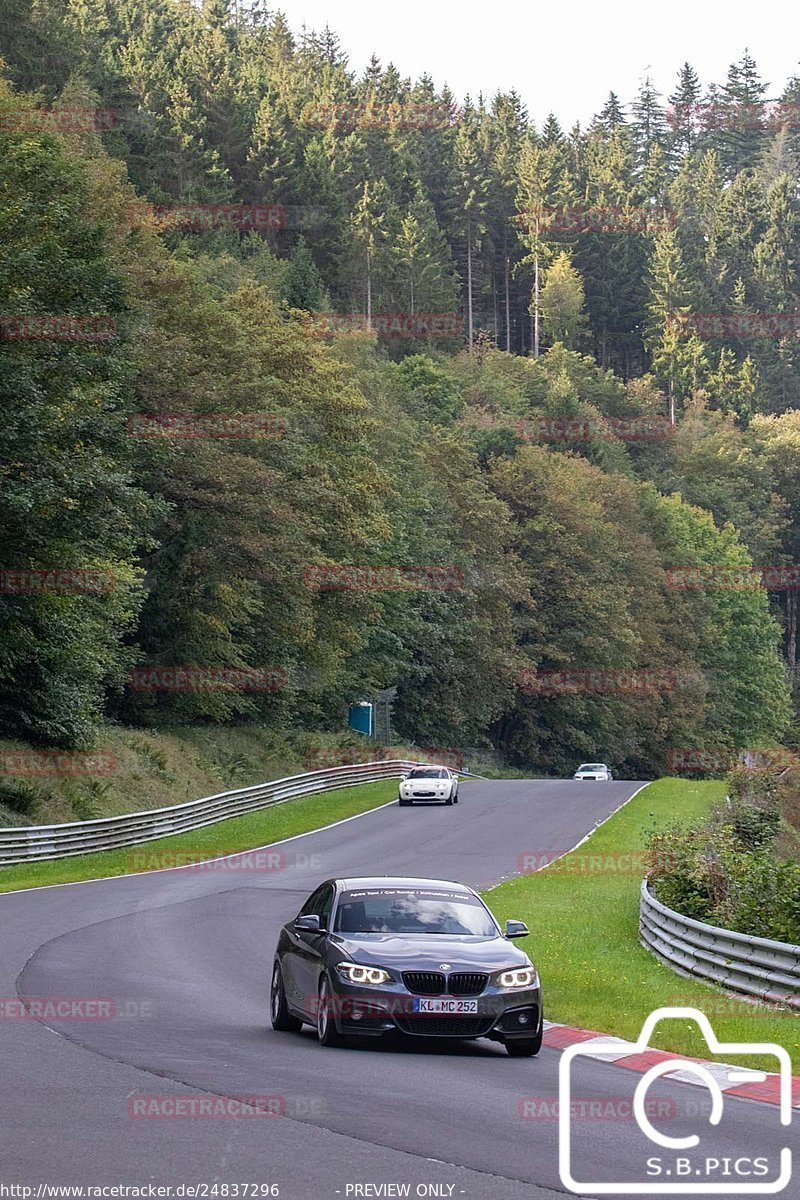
(593, 767)
(428, 773)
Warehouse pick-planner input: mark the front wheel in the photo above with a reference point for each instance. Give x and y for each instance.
(525, 1047)
(327, 1032)
(404, 801)
(282, 1019)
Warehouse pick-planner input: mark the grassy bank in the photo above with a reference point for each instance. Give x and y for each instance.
(156, 768)
(238, 833)
(583, 915)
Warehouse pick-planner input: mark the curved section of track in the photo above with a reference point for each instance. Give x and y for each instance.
(185, 958)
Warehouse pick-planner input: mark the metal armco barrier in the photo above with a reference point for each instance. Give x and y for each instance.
(37, 843)
(756, 966)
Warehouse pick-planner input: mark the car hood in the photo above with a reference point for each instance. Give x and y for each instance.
(427, 952)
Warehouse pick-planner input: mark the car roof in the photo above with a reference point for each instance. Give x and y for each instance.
(403, 881)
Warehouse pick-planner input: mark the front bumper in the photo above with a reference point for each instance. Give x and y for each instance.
(373, 1011)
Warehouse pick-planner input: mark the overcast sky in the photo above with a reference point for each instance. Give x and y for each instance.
(558, 55)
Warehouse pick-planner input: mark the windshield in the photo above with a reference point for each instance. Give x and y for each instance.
(593, 767)
(413, 910)
(427, 773)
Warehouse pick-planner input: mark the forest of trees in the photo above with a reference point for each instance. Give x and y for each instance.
(391, 451)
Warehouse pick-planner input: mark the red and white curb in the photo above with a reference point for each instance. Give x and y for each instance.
(616, 1050)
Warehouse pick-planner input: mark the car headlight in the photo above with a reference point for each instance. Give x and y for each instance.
(355, 973)
(519, 977)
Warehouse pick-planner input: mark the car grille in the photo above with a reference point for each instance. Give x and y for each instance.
(424, 983)
(434, 983)
(466, 983)
(446, 1026)
(424, 795)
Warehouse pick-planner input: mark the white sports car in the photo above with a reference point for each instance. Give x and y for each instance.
(429, 783)
(593, 771)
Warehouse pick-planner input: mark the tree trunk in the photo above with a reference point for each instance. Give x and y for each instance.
(469, 282)
(671, 393)
(508, 307)
(536, 307)
(369, 289)
(791, 626)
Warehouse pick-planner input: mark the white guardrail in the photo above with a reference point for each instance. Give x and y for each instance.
(38, 843)
(753, 965)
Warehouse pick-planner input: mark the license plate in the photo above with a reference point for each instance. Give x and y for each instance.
(444, 1006)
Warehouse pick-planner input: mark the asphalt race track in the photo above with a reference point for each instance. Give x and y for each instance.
(186, 955)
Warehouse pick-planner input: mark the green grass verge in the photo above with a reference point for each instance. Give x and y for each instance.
(583, 917)
(238, 833)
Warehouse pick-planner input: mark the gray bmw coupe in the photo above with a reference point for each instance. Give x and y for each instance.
(425, 957)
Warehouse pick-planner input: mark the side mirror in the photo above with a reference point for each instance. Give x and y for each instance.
(516, 929)
(404, 775)
(310, 924)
